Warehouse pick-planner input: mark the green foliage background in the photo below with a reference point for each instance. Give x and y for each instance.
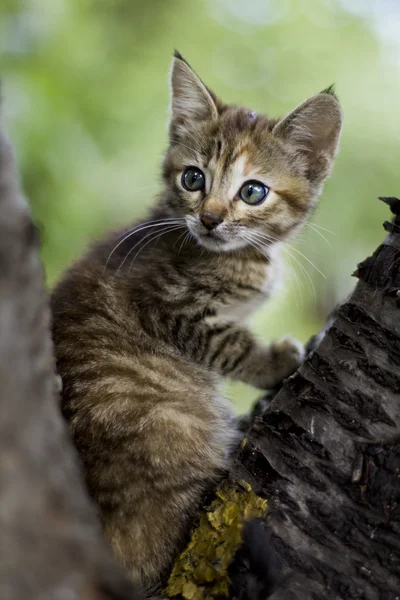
(85, 86)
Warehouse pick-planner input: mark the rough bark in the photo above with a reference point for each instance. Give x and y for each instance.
(326, 452)
(50, 545)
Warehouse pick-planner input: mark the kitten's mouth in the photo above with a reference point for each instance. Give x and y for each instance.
(214, 235)
(214, 239)
(210, 239)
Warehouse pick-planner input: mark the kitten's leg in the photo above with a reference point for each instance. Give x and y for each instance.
(166, 457)
(234, 352)
(149, 524)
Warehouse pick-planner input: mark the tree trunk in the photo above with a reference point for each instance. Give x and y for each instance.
(50, 545)
(321, 464)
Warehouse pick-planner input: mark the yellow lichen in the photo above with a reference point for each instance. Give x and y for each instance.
(201, 571)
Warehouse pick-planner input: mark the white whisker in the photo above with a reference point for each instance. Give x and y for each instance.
(245, 236)
(324, 229)
(185, 239)
(298, 286)
(318, 233)
(167, 219)
(260, 247)
(297, 261)
(286, 245)
(179, 238)
(302, 267)
(169, 230)
(144, 238)
(137, 229)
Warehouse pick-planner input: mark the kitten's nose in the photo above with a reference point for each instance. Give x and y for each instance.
(210, 221)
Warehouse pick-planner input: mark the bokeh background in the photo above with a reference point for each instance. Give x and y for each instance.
(85, 87)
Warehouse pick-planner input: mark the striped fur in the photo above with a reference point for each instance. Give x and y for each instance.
(147, 325)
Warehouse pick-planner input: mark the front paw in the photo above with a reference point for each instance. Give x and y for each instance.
(287, 355)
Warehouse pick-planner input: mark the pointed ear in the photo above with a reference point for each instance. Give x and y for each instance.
(313, 129)
(191, 100)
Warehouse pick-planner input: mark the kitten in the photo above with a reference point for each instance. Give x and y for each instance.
(149, 322)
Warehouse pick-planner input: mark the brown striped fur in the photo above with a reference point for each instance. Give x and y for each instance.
(146, 326)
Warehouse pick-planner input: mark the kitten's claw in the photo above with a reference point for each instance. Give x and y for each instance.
(288, 354)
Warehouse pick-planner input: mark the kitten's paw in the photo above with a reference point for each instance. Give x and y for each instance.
(287, 355)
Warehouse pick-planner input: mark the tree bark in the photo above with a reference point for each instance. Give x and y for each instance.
(326, 452)
(50, 544)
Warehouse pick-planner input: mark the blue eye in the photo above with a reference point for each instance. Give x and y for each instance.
(253, 192)
(193, 179)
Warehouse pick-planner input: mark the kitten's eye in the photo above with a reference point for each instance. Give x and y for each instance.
(253, 192)
(193, 179)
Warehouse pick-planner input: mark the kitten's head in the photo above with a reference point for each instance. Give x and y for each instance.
(239, 178)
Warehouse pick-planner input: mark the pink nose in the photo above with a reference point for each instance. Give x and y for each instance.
(210, 221)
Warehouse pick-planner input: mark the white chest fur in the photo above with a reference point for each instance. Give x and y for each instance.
(241, 306)
(240, 310)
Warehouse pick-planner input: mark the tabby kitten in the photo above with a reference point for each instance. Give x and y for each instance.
(149, 322)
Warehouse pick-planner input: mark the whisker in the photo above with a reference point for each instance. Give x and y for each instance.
(252, 243)
(185, 239)
(171, 228)
(179, 238)
(324, 229)
(318, 233)
(137, 229)
(308, 260)
(260, 247)
(301, 266)
(149, 223)
(298, 286)
(271, 239)
(143, 239)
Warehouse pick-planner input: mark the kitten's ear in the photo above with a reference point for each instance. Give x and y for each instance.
(191, 100)
(313, 129)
